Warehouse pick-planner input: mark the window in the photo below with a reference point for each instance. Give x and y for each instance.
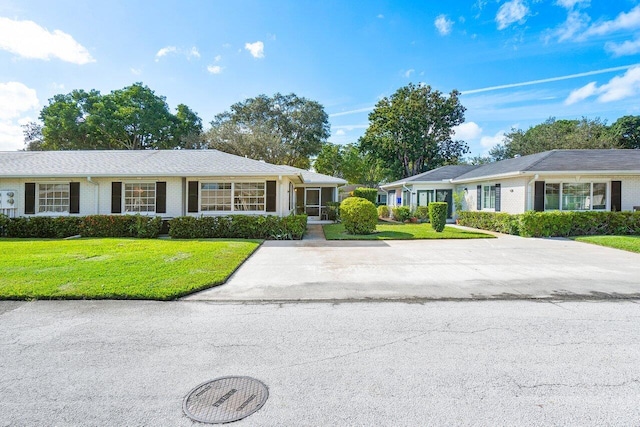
(215, 196)
(249, 196)
(406, 198)
(53, 198)
(575, 196)
(489, 197)
(140, 197)
(382, 199)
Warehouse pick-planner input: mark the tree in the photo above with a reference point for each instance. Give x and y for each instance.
(626, 131)
(555, 134)
(33, 138)
(132, 118)
(283, 129)
(348, 162)
(410, 132)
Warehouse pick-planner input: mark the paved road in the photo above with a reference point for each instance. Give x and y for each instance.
(117, 363)
(507, 267)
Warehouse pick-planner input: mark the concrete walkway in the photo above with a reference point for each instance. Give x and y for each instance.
(507, 267)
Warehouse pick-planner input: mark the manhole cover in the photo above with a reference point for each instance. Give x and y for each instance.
(225, 399)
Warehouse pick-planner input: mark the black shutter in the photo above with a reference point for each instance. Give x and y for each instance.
(161, 197)
(192, 198)
(30, 198)
(479, 198)
(538, 196)
(271, 196)
(116, 197)
(74, 197)
(616, 196)
(497, 206)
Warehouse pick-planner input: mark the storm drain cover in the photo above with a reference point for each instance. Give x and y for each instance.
(225, 399)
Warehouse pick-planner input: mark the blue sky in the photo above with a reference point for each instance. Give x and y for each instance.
(516, 62)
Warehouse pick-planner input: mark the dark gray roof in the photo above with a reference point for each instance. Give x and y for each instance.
(560, 161)
(440, 174)
(140, 163)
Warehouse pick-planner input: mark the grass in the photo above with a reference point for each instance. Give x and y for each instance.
(116, 268)
(386, 231)
(627, 243)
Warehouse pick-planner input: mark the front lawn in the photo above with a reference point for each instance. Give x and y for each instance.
(116, 268)
(627, 243)
(386, 231)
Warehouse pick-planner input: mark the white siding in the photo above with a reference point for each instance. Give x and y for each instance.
(513, 195)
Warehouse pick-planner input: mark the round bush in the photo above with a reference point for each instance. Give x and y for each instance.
(383, 211)
(438, 215)
(358, 215)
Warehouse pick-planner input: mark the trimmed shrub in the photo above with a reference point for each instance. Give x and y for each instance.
(239, 227)
(438, 215)
(4, 223)
(422, 213)
(401, 213)
(499, 222)
(383, 211)
(333, 211)
(145, 227)
(371, 194)
(359, 215)
(41, 227)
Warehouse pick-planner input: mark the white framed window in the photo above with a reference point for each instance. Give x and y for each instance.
(249, 196)
(571, 196)
(215, 196)
(53, 198)
(489, 197)
(140, 197)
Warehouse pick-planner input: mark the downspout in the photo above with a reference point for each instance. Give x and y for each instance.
(96, 194)
(404, 187)
(530, 193)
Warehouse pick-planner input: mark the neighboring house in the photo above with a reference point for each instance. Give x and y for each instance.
(576, 180)
(346, 190)
(168, 183)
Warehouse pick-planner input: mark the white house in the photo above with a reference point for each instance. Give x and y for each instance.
(167, 183)
(577, 180)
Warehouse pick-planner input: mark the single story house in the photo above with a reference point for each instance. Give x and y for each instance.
(576, 180)
(167, 183)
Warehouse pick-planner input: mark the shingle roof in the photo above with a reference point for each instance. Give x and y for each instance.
(142, 163)
(310, 177)
(561, 161)
(443, 173)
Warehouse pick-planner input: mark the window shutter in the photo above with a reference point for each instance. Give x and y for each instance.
(479, 198)
(192, 198)
(74, 197)
(161, 197)
(616, 196)
(538, 196)
(271, 196)
(116, 197)
(30, 198)
(497, 206)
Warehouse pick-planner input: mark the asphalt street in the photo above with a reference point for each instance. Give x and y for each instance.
(131, 363)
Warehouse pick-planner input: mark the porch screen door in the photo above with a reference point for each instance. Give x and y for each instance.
(312, 202)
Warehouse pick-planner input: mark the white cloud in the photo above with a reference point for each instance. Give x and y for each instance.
(188, 53)
(193, 53)
(15, 100)
(624, 21)
(467, 131)
(165, 51)
(443, 24)
(136, 71)
(575, 24)
(570, 4)
(626, 48)
(511, 12)
(11, 136)
(57, 86)
(218, 58)
(492, 141)
(29, 40)
(618, 88)
(340, 132)
(256, 49)
(214, 69)
(408, 73)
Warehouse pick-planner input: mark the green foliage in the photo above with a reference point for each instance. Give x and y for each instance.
(626, 131)
(333, 211)
(438, 215)
(411, 131)
(43, 227)
(371, 194)
(401, 213)
(555, 134)
(283, 129)
(4, 223)
(346, 161)
(132, 118)
(383, 211)
(145, 227)
(422, 213)
(239, 226)
(359, 216)
(458, 200)
(498, 222)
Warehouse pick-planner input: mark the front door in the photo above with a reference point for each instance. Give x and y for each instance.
(312, 203)
(445, 196)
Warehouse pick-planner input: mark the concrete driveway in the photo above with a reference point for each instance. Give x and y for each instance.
(508, 267)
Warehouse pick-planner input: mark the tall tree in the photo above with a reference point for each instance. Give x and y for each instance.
(410, 131)
(132, 118)
(284, 129)
(626, 130)
(348, 162)
(555, 134)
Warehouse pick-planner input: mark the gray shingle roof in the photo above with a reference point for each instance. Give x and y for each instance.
(440, 174)
(142, 163)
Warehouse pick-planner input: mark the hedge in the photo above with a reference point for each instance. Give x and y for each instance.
(438, 215)
(358, 215)
(555, 223)
(401, 213)
(145, 227)
(371, 194)
(239, 227)
(383, 211)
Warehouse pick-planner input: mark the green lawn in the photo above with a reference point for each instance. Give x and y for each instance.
(627, 243)
(116, 268)
(386, 231)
